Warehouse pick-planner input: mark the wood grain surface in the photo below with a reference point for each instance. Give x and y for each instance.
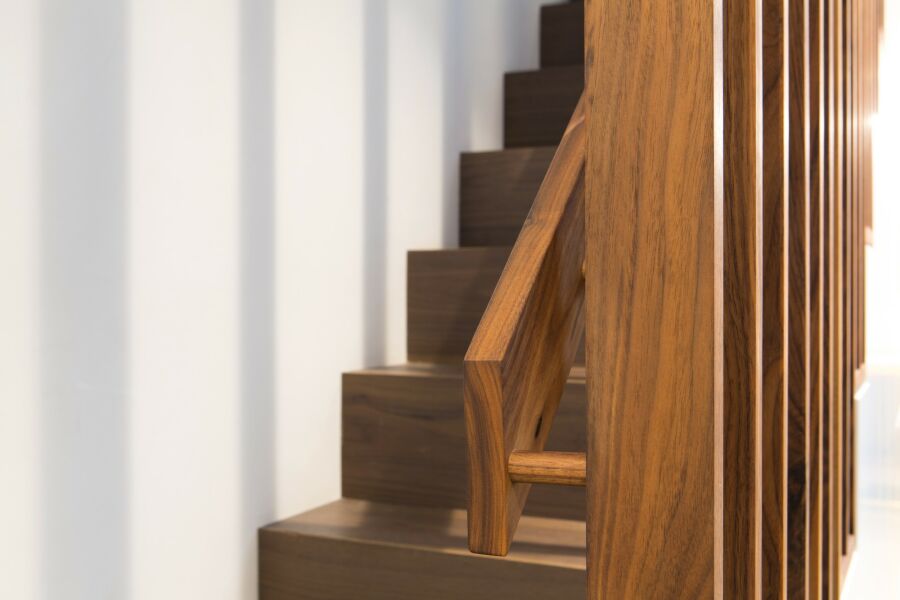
(554, 468)
(798, 299)
(357, 550)
(404, 439)
(775, 309)
(562, 34)
(447, 292)
(525, 345)
(816, 294)
(743, 299)
(537, 105)
(837, 468)
(654, 299)
(775, 269)
(496, 192)
(829, 567)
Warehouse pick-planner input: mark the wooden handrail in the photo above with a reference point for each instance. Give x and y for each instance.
(525, 345)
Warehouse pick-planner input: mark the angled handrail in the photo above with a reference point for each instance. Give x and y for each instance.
(520, 357)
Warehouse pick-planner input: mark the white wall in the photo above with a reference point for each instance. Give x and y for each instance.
(879, 410)
(204, 212)
(883, 258)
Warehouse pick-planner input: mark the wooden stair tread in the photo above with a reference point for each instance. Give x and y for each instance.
(404, 439)
(358, 550)
(539, 540)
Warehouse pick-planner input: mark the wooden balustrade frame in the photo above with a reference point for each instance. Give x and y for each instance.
(708, 208)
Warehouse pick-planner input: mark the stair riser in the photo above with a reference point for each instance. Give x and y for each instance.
(497, 190)
(562, 34)
(447, 292)
(539, 104)
(404, 442)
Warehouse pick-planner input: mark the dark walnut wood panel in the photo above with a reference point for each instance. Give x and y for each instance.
(829, 497)
(654, 221)
(358, 550)
(538, 105)
(816, 293)
(404, 439)
(447, 293)
(845, 276)
(830, 540)
(562, 34)
(849, 273)
(743, 300)
(525, 346)
(497, 190)
(775, 299)
(798, 299)
(836, 291)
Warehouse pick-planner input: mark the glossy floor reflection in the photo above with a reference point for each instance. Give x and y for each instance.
(875, 571)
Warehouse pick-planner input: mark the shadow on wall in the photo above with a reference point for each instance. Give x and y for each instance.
(84, 548)
(84, 338)
(85, 408)
(456, 123)
(257, 293)
(374, 190)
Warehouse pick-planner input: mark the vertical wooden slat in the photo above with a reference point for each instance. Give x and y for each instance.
(798, 298)
(860, 176)
(872, 36)
(869, 37)
(854, 198)
(742, 58)
(775, 310)
(828, 163)
(816, 300)
(837, 300)
(861, 188)
(852, 331)
(854, 265)
(843, 268)
(846, 270)
(653, 310)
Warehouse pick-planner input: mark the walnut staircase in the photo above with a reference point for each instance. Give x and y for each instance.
(703, 229)
(400, 530)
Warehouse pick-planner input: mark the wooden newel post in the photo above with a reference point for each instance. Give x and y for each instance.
(654, 298)
(673, 305)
